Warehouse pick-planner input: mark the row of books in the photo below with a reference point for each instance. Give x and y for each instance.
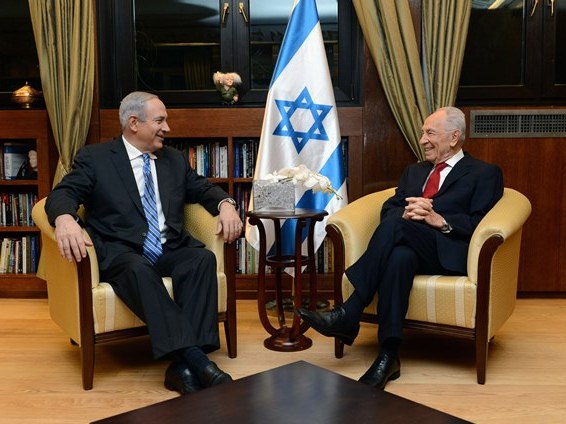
(211, 159)
(245, 154)
(15, 209)
(207, 159)
(248, 260)
(19, 255)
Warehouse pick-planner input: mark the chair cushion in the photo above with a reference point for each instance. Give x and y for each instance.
(111, 314)
(449, 300)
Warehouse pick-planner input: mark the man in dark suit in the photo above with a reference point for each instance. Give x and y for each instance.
(425, 228)
(134, 189)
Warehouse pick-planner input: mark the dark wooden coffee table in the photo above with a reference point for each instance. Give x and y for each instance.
(294, 393)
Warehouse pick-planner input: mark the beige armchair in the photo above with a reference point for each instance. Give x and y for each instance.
(472, 306)
(88, 310)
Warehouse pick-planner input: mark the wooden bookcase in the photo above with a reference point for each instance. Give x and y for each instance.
(232, 125)
(29, 128)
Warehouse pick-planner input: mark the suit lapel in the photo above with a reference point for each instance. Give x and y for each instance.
(461, 168)
(121, 161)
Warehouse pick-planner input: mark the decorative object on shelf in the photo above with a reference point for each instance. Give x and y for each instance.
(225, 84)
(28, 169)
(274, 195)
(25, 96)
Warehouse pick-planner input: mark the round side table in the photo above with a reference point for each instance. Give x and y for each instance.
(285, 338)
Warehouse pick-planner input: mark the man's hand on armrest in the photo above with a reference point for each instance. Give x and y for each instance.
(229, 222)
(71, 240)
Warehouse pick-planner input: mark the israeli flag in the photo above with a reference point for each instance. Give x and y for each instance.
(300, 125)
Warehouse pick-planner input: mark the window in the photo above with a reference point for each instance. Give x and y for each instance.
(18, 56)
(172, 47)
(514, 52)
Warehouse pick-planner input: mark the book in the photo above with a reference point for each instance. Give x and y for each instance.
(15, 155)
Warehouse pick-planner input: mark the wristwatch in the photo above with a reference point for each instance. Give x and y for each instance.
(229, 200)
(446, 227)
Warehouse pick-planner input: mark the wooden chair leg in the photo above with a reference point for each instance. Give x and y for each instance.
(338, 348)
(231, 335)
(87, 363)
(481, 359)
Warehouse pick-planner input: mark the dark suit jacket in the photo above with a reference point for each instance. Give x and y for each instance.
(103, 181)
(470, 190)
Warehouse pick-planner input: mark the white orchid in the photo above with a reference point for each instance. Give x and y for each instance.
(304, 176)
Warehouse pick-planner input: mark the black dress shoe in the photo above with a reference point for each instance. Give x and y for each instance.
(179, 378)
(212, 376)
(383, 369)
(331, 324)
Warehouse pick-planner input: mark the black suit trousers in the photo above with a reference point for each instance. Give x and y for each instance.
(398, 250)
(191, 318)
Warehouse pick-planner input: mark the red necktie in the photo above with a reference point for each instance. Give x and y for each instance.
(431, 187)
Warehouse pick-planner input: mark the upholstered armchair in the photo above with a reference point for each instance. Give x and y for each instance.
(88, 310)
(472, 306)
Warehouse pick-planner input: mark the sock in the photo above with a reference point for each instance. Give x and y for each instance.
(353, 307)
(195, 358)
(390, 346)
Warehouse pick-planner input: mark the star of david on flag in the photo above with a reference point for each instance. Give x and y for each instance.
(300, 125)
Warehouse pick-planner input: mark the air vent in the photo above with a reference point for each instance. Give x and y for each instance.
(521, 123)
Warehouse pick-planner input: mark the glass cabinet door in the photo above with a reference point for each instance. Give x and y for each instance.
(555, 46)
(19, 64)
(514, 50)
(177, 44)
(173, 47)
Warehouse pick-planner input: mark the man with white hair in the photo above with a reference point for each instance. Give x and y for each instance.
(425, 228)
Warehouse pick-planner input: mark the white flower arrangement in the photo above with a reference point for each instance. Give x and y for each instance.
(304, 176)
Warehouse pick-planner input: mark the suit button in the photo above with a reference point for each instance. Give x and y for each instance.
(144, 234)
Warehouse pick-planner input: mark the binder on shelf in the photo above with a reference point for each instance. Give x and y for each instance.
(15, 155)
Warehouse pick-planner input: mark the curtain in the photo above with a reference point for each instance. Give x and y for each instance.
(445, 29)
(413, 90)
(64, 37)
(389, 32)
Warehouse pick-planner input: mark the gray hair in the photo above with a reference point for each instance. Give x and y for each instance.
(455, 120)
(134, 105)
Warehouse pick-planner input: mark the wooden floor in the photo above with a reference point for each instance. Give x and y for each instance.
(526, 380)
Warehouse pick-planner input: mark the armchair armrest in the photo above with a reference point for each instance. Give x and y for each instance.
(503, 221)
(201, 224)
(356, 223)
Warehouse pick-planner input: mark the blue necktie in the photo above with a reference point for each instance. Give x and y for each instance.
(152, 243)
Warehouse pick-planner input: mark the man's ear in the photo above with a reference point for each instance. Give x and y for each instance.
(455, 137)
(133, 122)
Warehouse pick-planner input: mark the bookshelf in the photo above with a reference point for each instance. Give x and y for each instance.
(236, 130)
(21, 130)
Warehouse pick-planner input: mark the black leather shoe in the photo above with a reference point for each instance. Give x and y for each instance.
(212, 376)
(331, 324)
(179, 378)
(383, 369)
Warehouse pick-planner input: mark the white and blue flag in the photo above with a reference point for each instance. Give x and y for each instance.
(300, 125)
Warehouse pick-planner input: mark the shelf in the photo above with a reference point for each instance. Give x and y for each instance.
(29, 128)
(22, 286)
(17, 229)
(31, 183)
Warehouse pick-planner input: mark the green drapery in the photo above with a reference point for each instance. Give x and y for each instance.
(413, 90)
(64, 37)
(445, 28)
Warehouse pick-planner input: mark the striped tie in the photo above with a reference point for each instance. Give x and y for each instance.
(152, 243)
